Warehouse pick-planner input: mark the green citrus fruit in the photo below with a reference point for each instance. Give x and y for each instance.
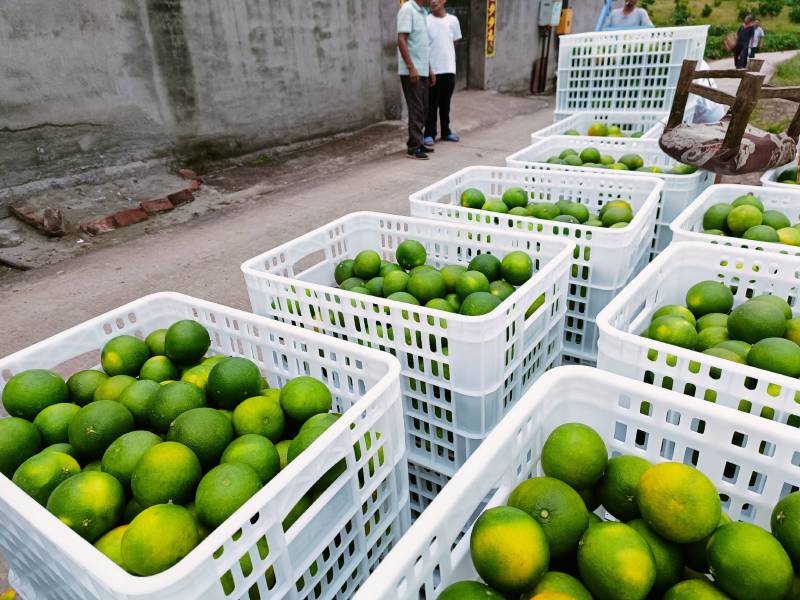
(716, 217)
(426, 285)
(469, 590)
(410, 254)
(712, 320)
(172, 400)
(52, 422)
(747, 562)
(42, 473)
(65, 448)
(388, 267)
(567, 152)
(714, 232)
(709, 297)
(785, 525)
(110, 544)
(776, 219)
(516, 267)
(261, 415)
(632, 161)
(156, 341)
(166, 473)
(121, 457)
(472, 198)
(761, 233)
(205, 431)
(695, 589)
(375, 286)
(488, 264)
(158, 538)
(748, 200)
(775, 301)
(615, 215)
(257, 452)
(440, 304)
(710, 337)
(367, 264)
(479, 303)
(112, 388)
(777, 355)
(616, 490)
(599, 129)
(303, 397)
(197, 376)
(742, 218)
(726, 354)
(343, 271)
(673, 330)
(557, 508)
(233, 380)
(451, 273)
(96, 425)
(545, 210)
(124, 355)
(283, 452)
(509, 549)
(575, 454)
(403, 297)
(754, 321)
(515, 197)
(668, 557)
(615, 562)
(789, 236)
(554, 581)
(186, 342)
(497, 206)
(567, 219)
(590, 155)
(394, 282)
(27, 393)
(678, 502)
(82, 385)
(577, 210)
(138, 398)
(352, 283)
(675, 310)
(159, 368)
(132, 508)
(223, 490)
(470, 282)
(90, 503)
(736, 346)
(696, 551)
(500, 289)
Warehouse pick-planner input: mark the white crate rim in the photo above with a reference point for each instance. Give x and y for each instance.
(667, 32)
(770, 177)
(249, 268)
(119, 580)
(659, 119)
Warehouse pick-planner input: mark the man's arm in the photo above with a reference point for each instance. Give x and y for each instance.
(646, 22)
(402, 44)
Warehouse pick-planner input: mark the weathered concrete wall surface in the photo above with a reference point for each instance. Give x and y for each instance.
(517, 46)
(585, 14)
(88, 83)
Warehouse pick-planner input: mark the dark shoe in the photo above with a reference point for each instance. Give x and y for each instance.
(419, 154)
(427, 149)
(451, 137)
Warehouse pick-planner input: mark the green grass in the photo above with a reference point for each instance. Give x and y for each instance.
(724, 15)
(787, 73)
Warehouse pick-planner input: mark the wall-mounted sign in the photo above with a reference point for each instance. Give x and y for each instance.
(491, 27)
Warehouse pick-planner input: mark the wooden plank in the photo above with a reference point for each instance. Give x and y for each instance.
(785, 93)
(712, 94)
(681, 94)
(742, 109)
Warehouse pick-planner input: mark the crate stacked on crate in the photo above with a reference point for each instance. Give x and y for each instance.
(748, 273)
(326, 553)
(632, 418)
(688, 227)
(460, 374)
(679, 189)
(624, 70)
(604, 259)
(639, 124)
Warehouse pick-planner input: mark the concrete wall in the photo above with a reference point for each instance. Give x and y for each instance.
(97, 82)
(585, 14)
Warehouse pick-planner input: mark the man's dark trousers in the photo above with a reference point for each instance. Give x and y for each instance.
(417, 102)
(439, 104)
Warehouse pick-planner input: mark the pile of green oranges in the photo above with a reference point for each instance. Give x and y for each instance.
(601, 129)
(761, 332)
(788, 176)
(476, 289)
(746, 218)
(614, 214)
(669, 534)
(147, 456)
(592, 157)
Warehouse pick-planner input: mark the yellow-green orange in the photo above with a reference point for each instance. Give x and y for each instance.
(674, 310)
(590, 155)
(516, 267)
(156, 341)
(112, 388)
(82, 385)
(96, 425)
(716, 217)
(426, 285)
(555, 581)
(515, 197)
(785, 525)
(257, 452)
(742, 218)
(575, 454)
(121, 457)
(470, 282)
(761, 233)
(673, 330)
(632, 161)
(615, 215)
(205, 431)
(469, 590)
(479, 303)
(394, 282)
(159, 368)
(410, 254)
(509, 549)
(28, 393)
(451, 273)
(709, 297)
(90, 503)
(597, 129)
(52, 422)
(778, 355)
(472, 198)
(42, 473)
(186, 342)
(158, 538)
(303, 397)
(557, 508)
(678, 502)
(197, 375)
(500, 289)
(65, 448)
(748, 200)
(616, 490)
(712, 336)
(110, 544)
(367, 264)
(223, 490)
(695, 589)
(736, 346)
(167, 473)
(545, 210)
(261, 415)
(712, 320)
(343, 271)
(748, 563)
(775, 301)
(124, 355)
(488, 264)
(283, 452)
(138, 398)
(172, 400)
(789, 236)
(667, 556)
(233, 380)
(497, 206)
(756, 320)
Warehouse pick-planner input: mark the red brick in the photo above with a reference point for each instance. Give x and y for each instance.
(188, 174)
(98, 226)
(51, 222)
(124, 218)
(158, 205)
(26, 214)
(181, 197)
(194, 185)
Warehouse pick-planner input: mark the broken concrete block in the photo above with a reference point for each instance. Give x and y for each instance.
(50, 222)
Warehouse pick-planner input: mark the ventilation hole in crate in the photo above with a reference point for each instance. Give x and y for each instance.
(120, 323)
(739, 439)
(731, 472)
(698, 425)
(750, 383)
(748, 512)
(620, 431)
(725, 500)
(757, 482)
(646, 409)
(796, 458)
(673, 417)
(667, 449)
(766, 448)
(642, 438)
(691, 456)
(788, 488)
(624, 401)
(745, 406)
(107, 328)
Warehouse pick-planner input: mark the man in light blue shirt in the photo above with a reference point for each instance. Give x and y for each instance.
(415, 71)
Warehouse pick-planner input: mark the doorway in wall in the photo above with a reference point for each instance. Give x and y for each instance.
(462, 10)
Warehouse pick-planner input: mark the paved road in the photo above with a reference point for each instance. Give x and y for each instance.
(772, 60)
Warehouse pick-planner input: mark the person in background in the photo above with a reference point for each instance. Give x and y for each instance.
(415, 71)
(758, 36)
(628, 17)
(443, 31)
(741, 50)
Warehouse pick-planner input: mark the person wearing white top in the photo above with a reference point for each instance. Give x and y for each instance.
(758, 35)
(444, 31)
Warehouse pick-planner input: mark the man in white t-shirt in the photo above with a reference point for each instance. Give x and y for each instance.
(758, 35)
(628, 17)
(443, 32)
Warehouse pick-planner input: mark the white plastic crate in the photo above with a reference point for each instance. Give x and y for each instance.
(643, 122)
(770, 178)
(634, 69)
(459, 374)
(327, 553)
(632, 418)
(688, 227)
(604, 260)
(679, 190)
(665, 281)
